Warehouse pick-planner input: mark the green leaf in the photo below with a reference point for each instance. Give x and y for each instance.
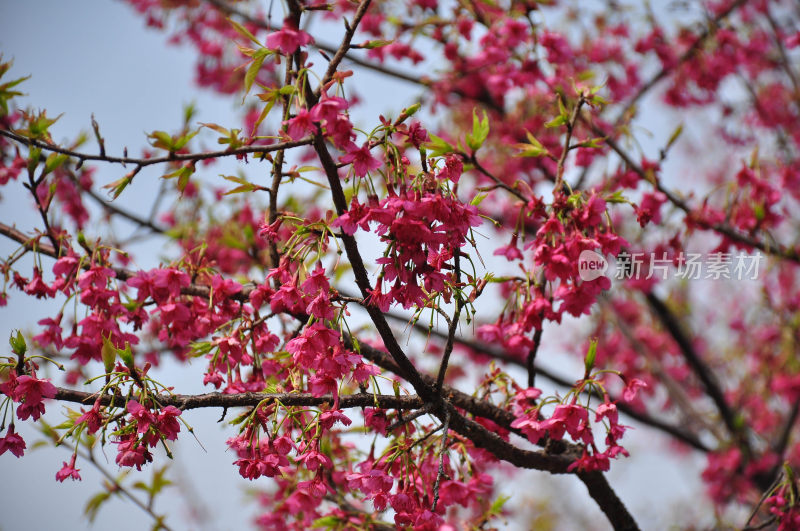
(378, 43)
(407, 113)
(119, 185)
(108, 354)
(5, 93)
(533, 148)
(17, 342)
(54, 161)
(241, 30)
(244, 185)
(189, 112)
(592, 143)
(94, 504)
(478, 199)
(218, 128)
(67, 424)
(263, 115)
(252, 70)
(557, 121)
(38, 125)
(616, 197)
(480, 131)
(157, 484)
(182, 174)
(181, 142)
(591, 355)
(126, 355)
(562, 111)
(326, 522)
(161, 140)
(497, 505)
(674, 136)
(439, 146)
(759, 212)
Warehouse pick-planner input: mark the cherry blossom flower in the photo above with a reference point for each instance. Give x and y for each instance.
(12, 442)
(68, 471)
(288, 39)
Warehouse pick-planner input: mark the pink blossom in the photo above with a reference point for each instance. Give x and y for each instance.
(12, 442)
(141, 415)
(68, 471)
(631, 388)
(328, 108)
(300, 125)
(167, 422)
(31, 392)
(288, 39)
(132, 452)
(93, 419)
(361, 158)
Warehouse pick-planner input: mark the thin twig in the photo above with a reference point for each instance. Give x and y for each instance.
(142, 162)
(442, 453)
(118, 486)
(415, 79)
(451, 332)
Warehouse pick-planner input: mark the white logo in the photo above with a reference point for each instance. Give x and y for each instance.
(591, 265)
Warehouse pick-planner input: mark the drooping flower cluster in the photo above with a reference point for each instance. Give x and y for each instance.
(423, 232)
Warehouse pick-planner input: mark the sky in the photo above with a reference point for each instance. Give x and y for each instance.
(97, 57)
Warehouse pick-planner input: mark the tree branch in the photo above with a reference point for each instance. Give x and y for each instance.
(223, 400)
(142, 162)
(701, 370)
(498, 354)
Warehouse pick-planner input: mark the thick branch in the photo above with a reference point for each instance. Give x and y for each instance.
(496, 353)
(185, 402)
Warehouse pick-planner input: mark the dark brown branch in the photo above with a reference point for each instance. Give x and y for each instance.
(142, 162)
(595, 482)
(598, 487)
(531, 359)
(498, 354)
(407, 369)
(33, 244)
(451, 332)
(602, 493)
(207, 400)
(698, 366)
(341, 52)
